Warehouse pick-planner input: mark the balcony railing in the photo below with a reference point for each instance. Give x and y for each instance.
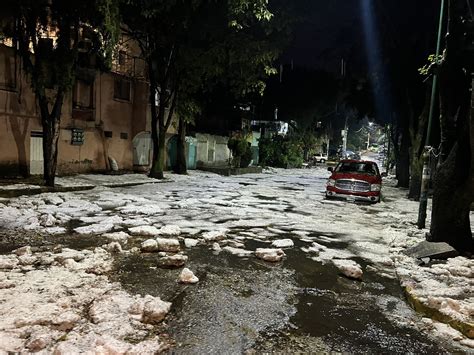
(130, 66)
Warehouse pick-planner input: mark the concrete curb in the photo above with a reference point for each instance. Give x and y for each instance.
(421, 307)
(228, 171)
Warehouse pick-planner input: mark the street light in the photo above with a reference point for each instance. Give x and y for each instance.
(368, 135)
(344, 136)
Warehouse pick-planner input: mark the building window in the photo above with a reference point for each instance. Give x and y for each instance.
(122, 89)
(83, 95)
(108, 134)
(123, 135)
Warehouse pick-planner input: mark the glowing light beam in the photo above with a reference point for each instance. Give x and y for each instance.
(377, 73)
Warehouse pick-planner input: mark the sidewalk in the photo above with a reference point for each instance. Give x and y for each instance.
(77, 183)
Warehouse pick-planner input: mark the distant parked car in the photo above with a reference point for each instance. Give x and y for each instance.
(355, 180)
(320, 157)
(374, 147)
(349, 154)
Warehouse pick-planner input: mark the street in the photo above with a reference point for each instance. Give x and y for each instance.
(236, 177)
(67, 293)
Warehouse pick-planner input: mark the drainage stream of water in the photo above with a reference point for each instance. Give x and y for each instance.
(244, 304)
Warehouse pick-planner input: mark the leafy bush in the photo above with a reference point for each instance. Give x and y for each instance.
(266, 150)
(241, 151)
(281, 152)
(246, 158)
(237, 145)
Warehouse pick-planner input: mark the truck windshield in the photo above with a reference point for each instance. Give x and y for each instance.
(357, 167)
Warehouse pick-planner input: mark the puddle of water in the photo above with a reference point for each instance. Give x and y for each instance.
(289, 188)
(247, 184)
(139, 274)
(264, 198)
(226, 220)
(291, 209)
(371, 211)
(297, 305)
(78, 241)
(7, 248)
(347, 315)
(72, 224)
(12, 240)
(236, 299)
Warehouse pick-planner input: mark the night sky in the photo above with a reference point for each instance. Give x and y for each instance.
(331, 30)
(383, 44)
(325, 35)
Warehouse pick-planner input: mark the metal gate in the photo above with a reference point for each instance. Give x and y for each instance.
(190, 151)
(172, 158)
(36, 153)
(191, 145)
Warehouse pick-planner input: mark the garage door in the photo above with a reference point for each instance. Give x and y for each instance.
(142, 148)
(36, 153)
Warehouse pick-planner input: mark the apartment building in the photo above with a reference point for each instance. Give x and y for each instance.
(105, 118)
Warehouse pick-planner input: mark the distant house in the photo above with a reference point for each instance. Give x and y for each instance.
(212, 132)
(105, 118)
(270, 128)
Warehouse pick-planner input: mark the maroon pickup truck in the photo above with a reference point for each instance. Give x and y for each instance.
(355, 180)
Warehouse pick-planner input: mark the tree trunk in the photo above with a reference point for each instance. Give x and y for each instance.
(50, 149)
(159, 158)
(395, 136)
(154, 138)
(451, 204)
(180, 167)
(51, 129)
(403, 161)
(388, 153)
(159, 145)
(19, 127)
(159, 153)
(417, 137)
(160, 120)
(158, 127)
(454, 179)
(154, 171)
(416, 167)
(158, 138)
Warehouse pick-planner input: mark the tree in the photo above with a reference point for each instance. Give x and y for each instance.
(306, 99)
(47, 34)
(191, 45)
(417, 131)
(239, 58)
(157, 25)
(454, 178)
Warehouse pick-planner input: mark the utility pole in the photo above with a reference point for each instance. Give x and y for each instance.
(425, 180)
(344, 131)
(343, 67)
(344, 136)
(388, 137)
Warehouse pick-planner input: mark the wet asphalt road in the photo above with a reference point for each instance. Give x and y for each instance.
(247, 305)
(298, 305)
